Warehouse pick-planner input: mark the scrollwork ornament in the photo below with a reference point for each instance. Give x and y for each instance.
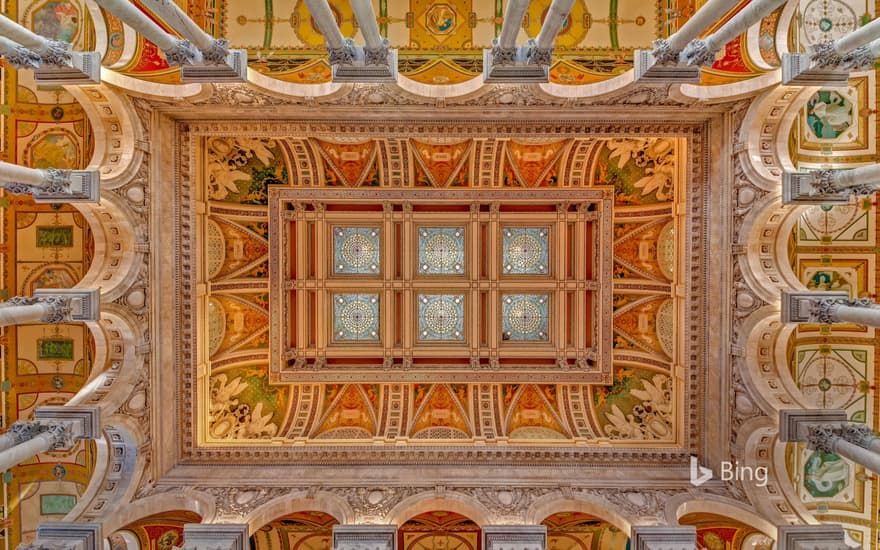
(182, 53)
(57, 53)
(217, 53)
(858, 434)
(343, 55)
(824, 311)
(539, 56)
(61, 435)
(860, 59)
(823, 55)
(22, 431)
(502, 56)
(56, 181)
(377, 56)
(698, 52)
(664, 54)
(22, 58)
(19, 188)
(820, 437)
(824, 182)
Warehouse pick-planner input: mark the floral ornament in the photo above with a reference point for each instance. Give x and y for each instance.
(656, 156)
(225, 158)
(652, 419)
(229, 419)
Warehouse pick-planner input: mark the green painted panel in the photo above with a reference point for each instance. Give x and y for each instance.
(56, 504)
(54, 236)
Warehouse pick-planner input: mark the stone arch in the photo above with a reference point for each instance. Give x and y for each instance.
(117, 338)
(117, 468)
(548, 505)
(735, 90)
(429, 501)
(189, 501)
(300, 501)
(683, 504)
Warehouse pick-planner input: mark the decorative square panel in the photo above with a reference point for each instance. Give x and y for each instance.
(356, 317)
(441, 251)
(525, 250)
(524, 317)
(441, 317)
(356, 250)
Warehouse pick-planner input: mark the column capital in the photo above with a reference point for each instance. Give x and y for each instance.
(699, 52)
(84, 421)
(83, 304)
(22, 58)
(538, 55)
(794, 424)
(826, 536)
(515, 537)
(810, 306)
(656, 537)
(858, 434)
(215, 536)
(217, 53)
(664, 53)
(65, 186)
(182, 53)
(819, 187)
(377, 56)
(364, 537)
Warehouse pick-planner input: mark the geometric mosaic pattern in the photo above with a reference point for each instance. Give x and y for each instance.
(525, 250)
(524, 317)
(441, 317)
(356, 317)
(441, 251)
(356, 250)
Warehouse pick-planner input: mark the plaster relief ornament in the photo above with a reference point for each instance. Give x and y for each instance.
(227, 160)
(230, 419)
(652, 419)
(656, 156)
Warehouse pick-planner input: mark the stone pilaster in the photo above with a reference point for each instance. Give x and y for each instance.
(810, 537)
(215, 536)
(66, 535)
(654, 537)
(364, 537)
(515, 537)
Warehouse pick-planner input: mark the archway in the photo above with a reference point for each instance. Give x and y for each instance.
(581, 531)
(310, 530)
(717, 532)
(439, 530)
(162, 531)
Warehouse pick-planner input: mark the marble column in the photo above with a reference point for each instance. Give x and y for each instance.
(177, 51)
(53, 61)
(53, 52)
(655, 537)
(51, 306)
(515, 537)
(215, 536)
(829, 186)
(667, 50)
(358, 537)
(504, 50)
(541, 50)
(828, 307)
(56, 428)
(863, 57)
(704, 51)
(833, 54)
(340, 50)
(375, 47)
(828, 431)
(824, 536)
(51, 185)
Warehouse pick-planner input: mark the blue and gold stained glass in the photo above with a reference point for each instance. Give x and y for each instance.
(356, 317)
(525, 250)
(441, 250)
(356, 250)
(524, 317)
(441, 317)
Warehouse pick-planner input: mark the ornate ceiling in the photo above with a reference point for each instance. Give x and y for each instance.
(195, 259)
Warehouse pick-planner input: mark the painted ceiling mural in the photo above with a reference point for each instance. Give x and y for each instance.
(245, 405)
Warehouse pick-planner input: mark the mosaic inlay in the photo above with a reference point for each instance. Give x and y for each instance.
(441, 250)
(525, 250)
(356, 317)
(356, 250)
(524, 317)
(441, 317)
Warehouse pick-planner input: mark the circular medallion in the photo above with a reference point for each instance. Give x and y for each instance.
(525, 253)
(442, 252)
(358, 250)
(442, 315)
(359, 317)
(524, 317)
